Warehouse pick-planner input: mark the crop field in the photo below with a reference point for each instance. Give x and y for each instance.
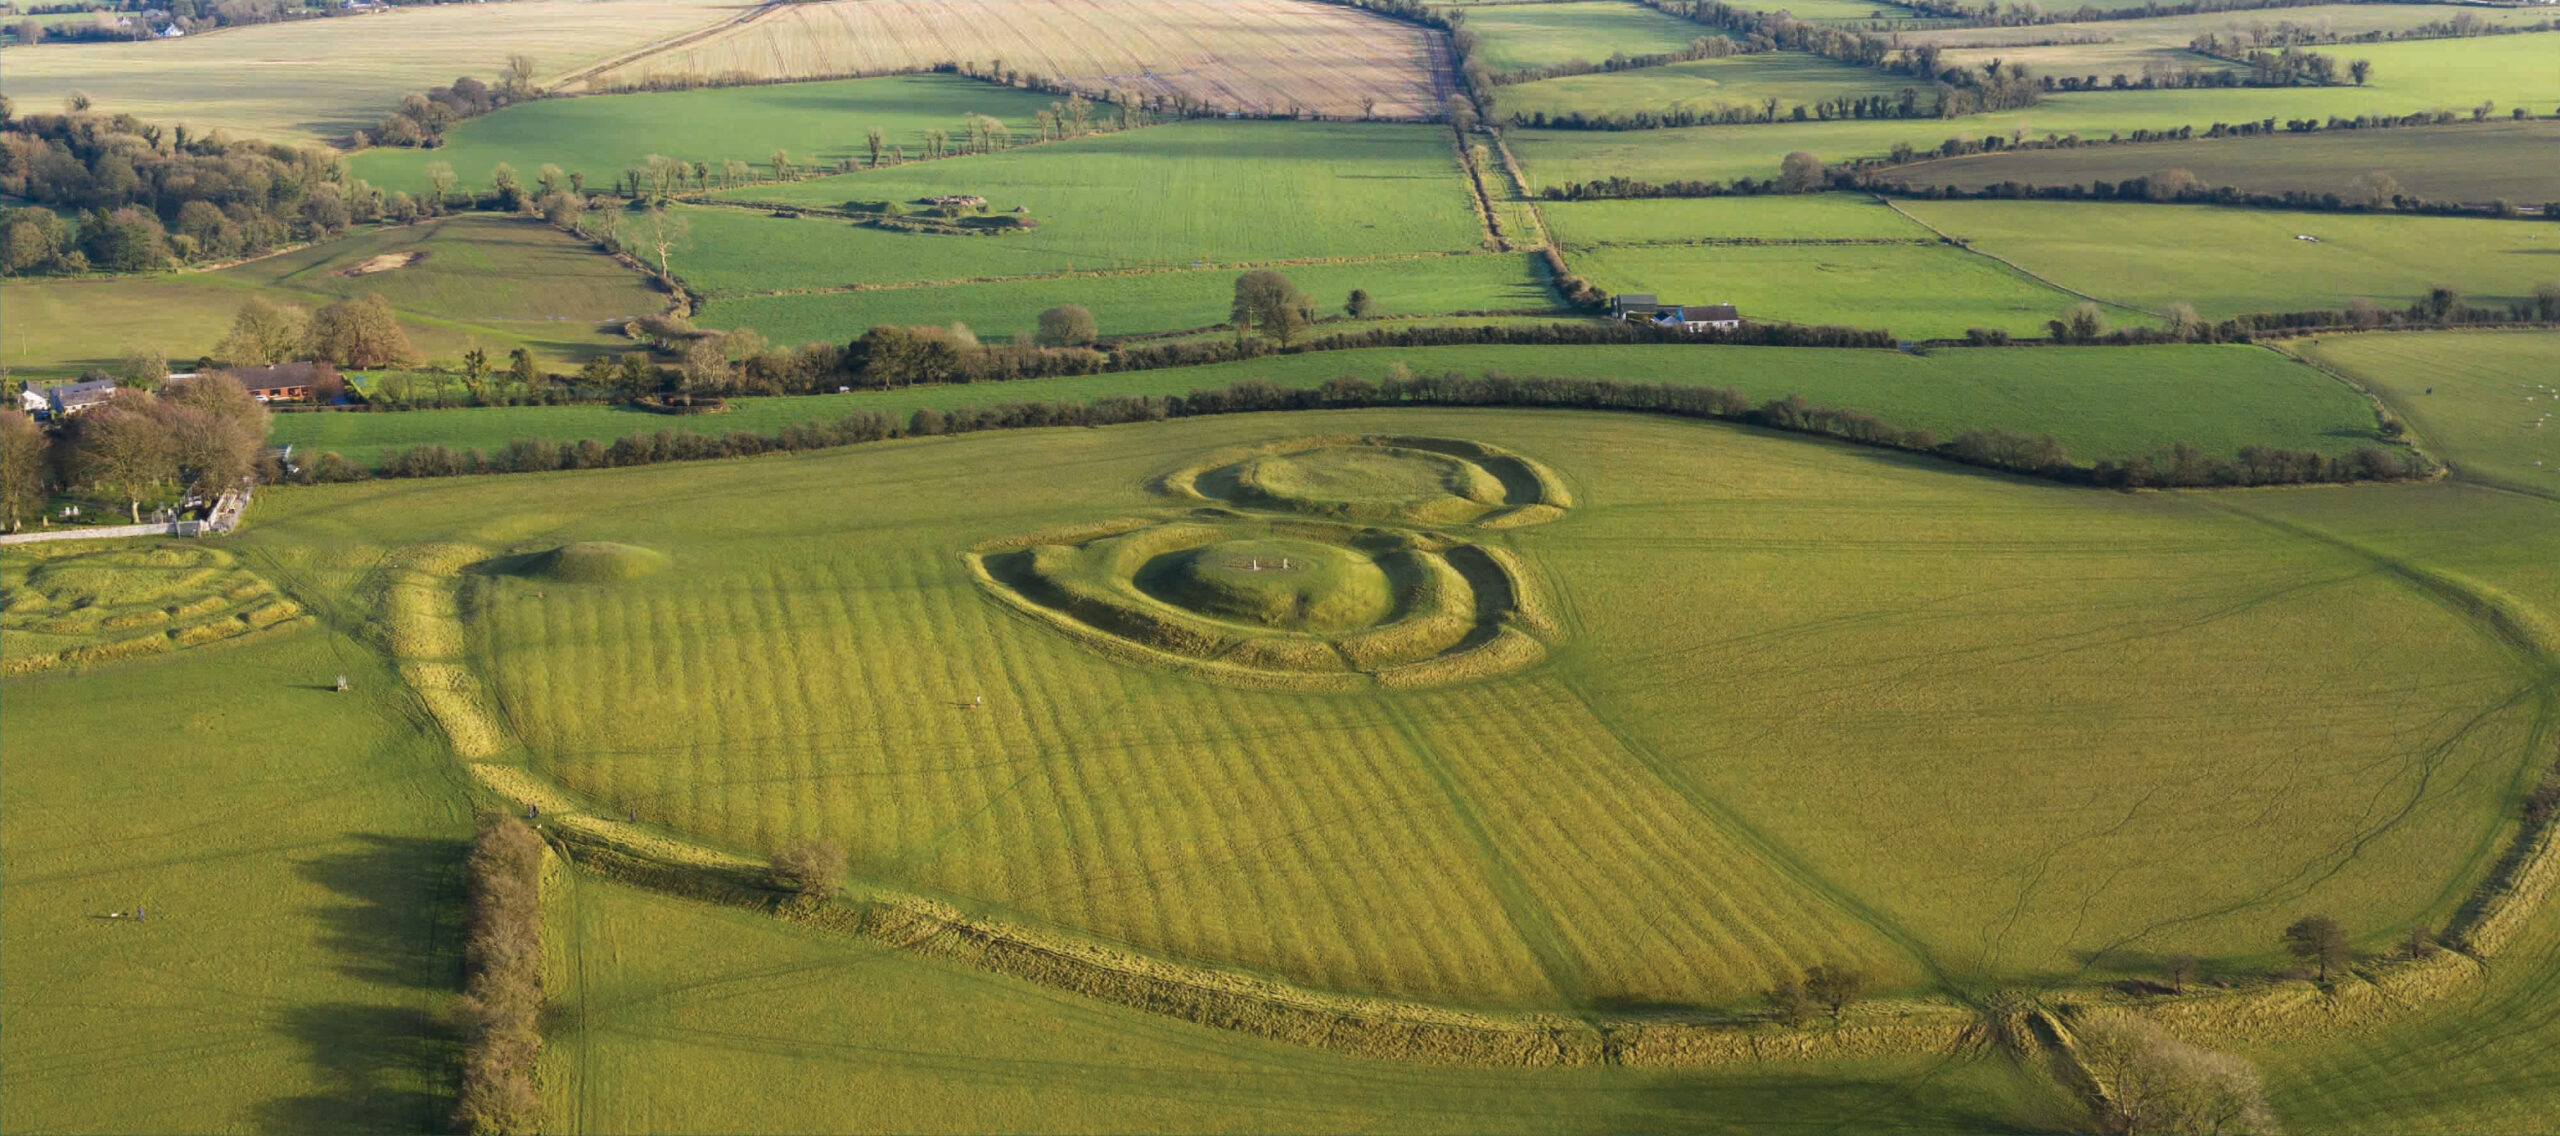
(2471, 163)
(2487, 403)
(1246, 55)
(1849, 12)
(319, 80)
(604, 136)
(2228, 261)
(2450, 75)
(295, 853)
(843, 1035)
(1170, 196)
(1915, 291)
(2074, 48)
(1792, 78)
(483, 280)
(2099, 402)
(1515, 37)
(2247, 641)
(1141, 303)
(1791, 217)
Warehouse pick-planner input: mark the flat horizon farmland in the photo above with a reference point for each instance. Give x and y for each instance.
(303, 81)
(1703, 85)
(1520, 36)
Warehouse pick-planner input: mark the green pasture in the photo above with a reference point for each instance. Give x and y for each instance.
(2054, 48)
(1516, 37)
(1673, 220)
(2083, 753)
(2101, 402)
(2484, 163)
(2229, 261)
(1832, 11)
(2450, 75)
(494, 282)
(1166, 196)
(297, 852)
(1143, 302)
(2488, 403)
(844, 1035)
(1915, 291)
(1793, 78)
(602, 136)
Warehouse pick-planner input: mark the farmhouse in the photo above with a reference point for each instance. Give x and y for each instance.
(1635, 306)
(282, 382)
(72, 398)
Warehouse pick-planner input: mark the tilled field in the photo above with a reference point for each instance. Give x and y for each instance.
(1247, 55)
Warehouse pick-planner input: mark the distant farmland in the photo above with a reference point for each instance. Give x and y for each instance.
(2229, 261)
(314, 80)
(1250, 55)
(2483, 163)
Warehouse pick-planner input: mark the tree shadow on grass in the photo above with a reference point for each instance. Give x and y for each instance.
(395, 922)
(381, 1069)
(1758, 1101)
(401, 911)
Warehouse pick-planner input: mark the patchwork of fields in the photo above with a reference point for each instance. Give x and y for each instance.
(1261, 56)
(1574, 735)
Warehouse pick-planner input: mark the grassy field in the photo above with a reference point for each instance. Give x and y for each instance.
(2452, 75)
(1164, 197)
(1819, 216)
(1536, 35)
(297, 854)
(2098, 401)
(2483, 163)
(2097, 700)
(494, 282)
(1915, 291)
(2228, 261)
(1792, 78)
(604, 136)
(1148, 302)
(843, 1036)
(318, 80)
(1248, 55)
(2485, 403)
(2105, 47)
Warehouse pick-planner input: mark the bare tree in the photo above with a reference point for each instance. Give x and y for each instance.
(1266, 301)
(812, 870)
(666, 229)
(125, 447)
(1834, 986)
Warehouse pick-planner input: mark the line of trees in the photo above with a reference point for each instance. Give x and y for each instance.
(423, 116)
(1961, 90)
(501, 1004)
(202, 436)
(1703, 47)
(1988, 448)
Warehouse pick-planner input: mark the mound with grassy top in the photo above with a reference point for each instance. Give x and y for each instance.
(595, 562)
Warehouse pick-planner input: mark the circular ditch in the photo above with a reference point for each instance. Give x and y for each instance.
(1378, 478)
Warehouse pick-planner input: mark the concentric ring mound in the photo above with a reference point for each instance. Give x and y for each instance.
(1277, 602)
(1379, 478)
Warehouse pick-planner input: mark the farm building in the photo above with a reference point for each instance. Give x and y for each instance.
(282, 382)
(71, 398)
(1642, 306)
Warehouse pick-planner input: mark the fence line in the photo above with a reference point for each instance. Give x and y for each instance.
(224, 518)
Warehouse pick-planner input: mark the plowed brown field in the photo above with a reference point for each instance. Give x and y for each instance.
(1248, 55)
